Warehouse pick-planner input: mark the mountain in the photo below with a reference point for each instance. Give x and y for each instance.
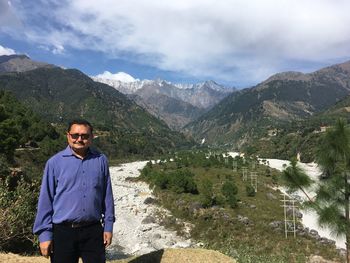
(20, 63)
(59, 95)
(174, 112)
(188, 101)
(252, 114)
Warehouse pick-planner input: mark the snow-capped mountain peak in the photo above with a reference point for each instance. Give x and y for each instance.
(202, 95)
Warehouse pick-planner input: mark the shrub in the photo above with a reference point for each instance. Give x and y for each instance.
(182, 181)
(250, 190)
(206, 192)
(18, 208)
(230, 190)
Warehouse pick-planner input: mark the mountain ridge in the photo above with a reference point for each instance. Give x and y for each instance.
(59, 95)
(248, 114)
(197, 98)
(20, 63)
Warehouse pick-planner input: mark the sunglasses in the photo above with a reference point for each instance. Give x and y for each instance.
(83, 136)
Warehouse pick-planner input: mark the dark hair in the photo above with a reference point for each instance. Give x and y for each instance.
(79, 122)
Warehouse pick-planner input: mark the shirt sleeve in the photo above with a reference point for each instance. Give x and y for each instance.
(43, 221)
(109, 216)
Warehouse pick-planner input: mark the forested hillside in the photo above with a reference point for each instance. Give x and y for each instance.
(26, 141)
(250, 117)
(60, 95)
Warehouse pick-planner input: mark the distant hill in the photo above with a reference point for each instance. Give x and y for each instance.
(187, 101)
(59, 95)
(20, 63)
(251, 114)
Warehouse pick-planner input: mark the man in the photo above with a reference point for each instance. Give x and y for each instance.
(76, 208)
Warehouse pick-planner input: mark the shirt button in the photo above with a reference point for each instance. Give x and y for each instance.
(83, 172)
(84, 210)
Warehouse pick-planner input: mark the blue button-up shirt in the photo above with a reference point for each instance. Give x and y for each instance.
(74, 190)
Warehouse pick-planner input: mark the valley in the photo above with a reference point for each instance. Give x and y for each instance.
(195, 195)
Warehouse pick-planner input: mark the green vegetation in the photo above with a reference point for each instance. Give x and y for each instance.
(278, 118)
(224, 215)
(124, 129)
(333, 194)
(331, 202)
(26, 142)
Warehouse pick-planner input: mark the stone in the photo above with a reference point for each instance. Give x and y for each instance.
(149, 200)
(243, 219)
(157, 236)
(148, 220)
(276, 224)
(271, 196)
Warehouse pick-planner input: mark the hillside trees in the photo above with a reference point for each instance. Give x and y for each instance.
(20, 170)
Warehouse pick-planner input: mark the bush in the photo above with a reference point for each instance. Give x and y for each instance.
(206, 192)
(250, 190)
(18, 208)
(230, 190)
(182, 182)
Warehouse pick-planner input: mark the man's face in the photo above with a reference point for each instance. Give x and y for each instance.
(79, 137)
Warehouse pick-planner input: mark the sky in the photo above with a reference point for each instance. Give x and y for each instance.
(233, 42)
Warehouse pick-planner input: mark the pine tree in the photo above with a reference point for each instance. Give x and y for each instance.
(296, 179)
(333, 193)
(331, 202)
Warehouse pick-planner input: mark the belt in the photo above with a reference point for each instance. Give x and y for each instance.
(78, 224)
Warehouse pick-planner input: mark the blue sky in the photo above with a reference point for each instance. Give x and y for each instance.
(233, 42)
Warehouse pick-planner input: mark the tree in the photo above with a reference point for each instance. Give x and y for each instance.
(206, 193)
(332, 198)
(333, 193)
(182, 181)
(229, 190)
(296, 179)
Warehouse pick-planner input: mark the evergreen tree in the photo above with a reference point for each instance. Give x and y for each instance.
(296, 179)
(332, 198)
(333, 193)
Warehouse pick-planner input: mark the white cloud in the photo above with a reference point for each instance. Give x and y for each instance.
(121, 76)
(6, 51)
(228, 39)
(58, 49)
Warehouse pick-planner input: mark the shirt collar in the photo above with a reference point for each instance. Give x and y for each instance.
(69, 152)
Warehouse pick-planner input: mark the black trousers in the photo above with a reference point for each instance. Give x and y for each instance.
(71, 243)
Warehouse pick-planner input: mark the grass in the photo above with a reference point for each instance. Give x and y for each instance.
(218, 227)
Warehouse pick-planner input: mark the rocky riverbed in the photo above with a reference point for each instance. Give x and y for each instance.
(137, 229)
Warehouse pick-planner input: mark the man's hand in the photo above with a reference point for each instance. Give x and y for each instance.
(46, 248)
(107, 238)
